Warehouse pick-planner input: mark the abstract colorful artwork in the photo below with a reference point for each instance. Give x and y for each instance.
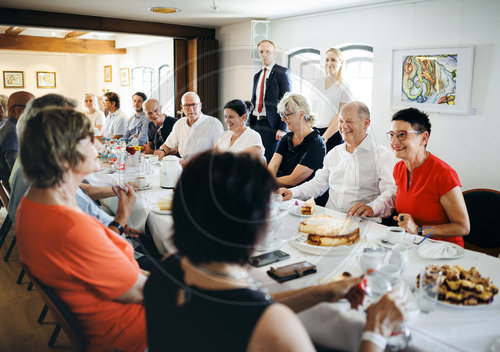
(433, 79)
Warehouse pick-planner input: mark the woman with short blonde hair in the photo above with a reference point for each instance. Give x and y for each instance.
(301, 151)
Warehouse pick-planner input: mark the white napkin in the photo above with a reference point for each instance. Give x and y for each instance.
(105, 180)
(437, 250)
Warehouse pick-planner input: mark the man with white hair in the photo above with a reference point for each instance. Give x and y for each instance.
(358, 172)
(192, 134)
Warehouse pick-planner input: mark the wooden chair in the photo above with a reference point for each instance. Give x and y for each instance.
(482, 206)
(65, 318)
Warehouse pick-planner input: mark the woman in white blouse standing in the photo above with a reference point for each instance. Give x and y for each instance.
(328, 96)
(91, 109)
(239, 138)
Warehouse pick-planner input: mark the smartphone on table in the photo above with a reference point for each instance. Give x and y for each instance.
(268, 258)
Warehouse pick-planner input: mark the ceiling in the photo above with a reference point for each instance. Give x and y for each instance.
(200, 13)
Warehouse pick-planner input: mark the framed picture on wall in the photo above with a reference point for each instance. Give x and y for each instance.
(125, 77)
(45, 79)
(433, 79)
(13, 79)
(108, 74)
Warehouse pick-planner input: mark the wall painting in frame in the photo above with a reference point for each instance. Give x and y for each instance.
(433, 80)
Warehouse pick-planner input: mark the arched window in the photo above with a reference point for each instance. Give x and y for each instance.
(304, 65)
(358, 70)
(142, 80)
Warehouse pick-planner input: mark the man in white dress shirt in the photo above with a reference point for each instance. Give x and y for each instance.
(192, 134)
(116, 122)
(358, 172)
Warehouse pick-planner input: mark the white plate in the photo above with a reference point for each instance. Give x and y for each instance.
(155, 209)
(387, 245)
(148, 186)
(460, 252)
(300, 243)
(479, 306)
(295, 210)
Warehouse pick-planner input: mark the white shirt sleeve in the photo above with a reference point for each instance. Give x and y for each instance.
(318, 184)
(383, 205)
(172, 139)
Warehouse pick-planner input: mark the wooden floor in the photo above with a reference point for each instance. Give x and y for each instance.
(20, 308)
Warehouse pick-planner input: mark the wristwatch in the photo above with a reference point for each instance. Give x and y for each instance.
(420, 231)
(164, 151)
(118, 226)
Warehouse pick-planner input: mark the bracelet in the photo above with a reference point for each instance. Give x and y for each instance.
(116, 224)
(374, 338)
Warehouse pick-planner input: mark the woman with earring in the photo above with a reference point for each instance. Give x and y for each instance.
(301, 151)
(328, 96)
(239, 138)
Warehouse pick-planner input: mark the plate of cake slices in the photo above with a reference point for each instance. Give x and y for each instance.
(465, 289)
(325, 235)
(306, 210)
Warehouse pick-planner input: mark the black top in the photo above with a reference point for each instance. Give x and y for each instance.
(310, 153)
(209, 320)
(158, 136)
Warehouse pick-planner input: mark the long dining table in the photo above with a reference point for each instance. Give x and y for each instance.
(334, 325)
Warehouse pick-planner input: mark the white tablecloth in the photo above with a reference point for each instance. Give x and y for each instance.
(335, 325)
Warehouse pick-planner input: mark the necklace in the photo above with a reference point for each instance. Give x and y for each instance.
(241, 277)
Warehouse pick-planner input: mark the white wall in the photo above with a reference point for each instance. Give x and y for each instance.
(469, 143)
(77, 74)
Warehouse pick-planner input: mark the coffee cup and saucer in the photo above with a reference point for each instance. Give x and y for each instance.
(142, 183)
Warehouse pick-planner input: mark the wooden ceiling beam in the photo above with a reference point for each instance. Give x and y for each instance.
(17, 17)
(74, 34)
(60, 45)
(13, 31)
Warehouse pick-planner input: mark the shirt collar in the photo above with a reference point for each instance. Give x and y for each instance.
(270, 66)
(196, 123)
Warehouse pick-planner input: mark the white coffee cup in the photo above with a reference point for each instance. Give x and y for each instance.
(141, 181)
(395, 234)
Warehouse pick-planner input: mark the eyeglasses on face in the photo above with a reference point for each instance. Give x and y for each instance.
(18, 105)
(286, 114)
(190, 106)
(400, 135)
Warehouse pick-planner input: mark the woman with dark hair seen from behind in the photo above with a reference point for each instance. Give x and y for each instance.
(89, 267)
(429, 196)
(239, 138)
(203, 298)
(301, 151)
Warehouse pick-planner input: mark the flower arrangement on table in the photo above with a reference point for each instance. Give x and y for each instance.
(132, 149)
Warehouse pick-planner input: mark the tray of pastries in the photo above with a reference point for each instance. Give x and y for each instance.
(461, 287)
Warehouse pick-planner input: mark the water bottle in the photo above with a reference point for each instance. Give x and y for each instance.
(134, 142)
(121, 159)
(122, 143)
(112, 155)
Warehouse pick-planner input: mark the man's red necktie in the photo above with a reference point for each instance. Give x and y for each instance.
(261, 94)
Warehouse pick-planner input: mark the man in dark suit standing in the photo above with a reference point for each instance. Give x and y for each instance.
(269, 86)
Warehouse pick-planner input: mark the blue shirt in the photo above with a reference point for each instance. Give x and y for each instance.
(137, 125)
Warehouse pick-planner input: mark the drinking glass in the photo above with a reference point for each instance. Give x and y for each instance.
(429, 281)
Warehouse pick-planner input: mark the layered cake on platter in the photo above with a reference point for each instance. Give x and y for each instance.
(325, 230)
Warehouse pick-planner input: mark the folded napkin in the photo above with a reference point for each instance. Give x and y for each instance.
(438, 250)
(105, 180)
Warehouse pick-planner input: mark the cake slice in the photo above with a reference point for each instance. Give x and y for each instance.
(309, 207)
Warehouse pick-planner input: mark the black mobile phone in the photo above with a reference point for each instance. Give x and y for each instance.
(268, 258)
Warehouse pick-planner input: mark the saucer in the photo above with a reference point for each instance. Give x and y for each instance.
(148, 186)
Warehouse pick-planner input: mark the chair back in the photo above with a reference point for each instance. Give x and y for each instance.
(4, 195)
(64, 316)
(482, 206)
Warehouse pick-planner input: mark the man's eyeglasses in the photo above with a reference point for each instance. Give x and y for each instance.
(400, 135)
(19, 105)
(285, 115)
(190, 106)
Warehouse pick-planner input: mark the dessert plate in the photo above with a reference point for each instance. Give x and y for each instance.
(440, 250)
(295, 210)
(300, 242)
(148, 186)
(156, 210)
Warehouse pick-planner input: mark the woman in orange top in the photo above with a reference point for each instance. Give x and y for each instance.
(429, 196)
(89, 267)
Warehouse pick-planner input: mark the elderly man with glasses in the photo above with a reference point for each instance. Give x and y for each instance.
(9, 144)
(358, 172)
(192, 134)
